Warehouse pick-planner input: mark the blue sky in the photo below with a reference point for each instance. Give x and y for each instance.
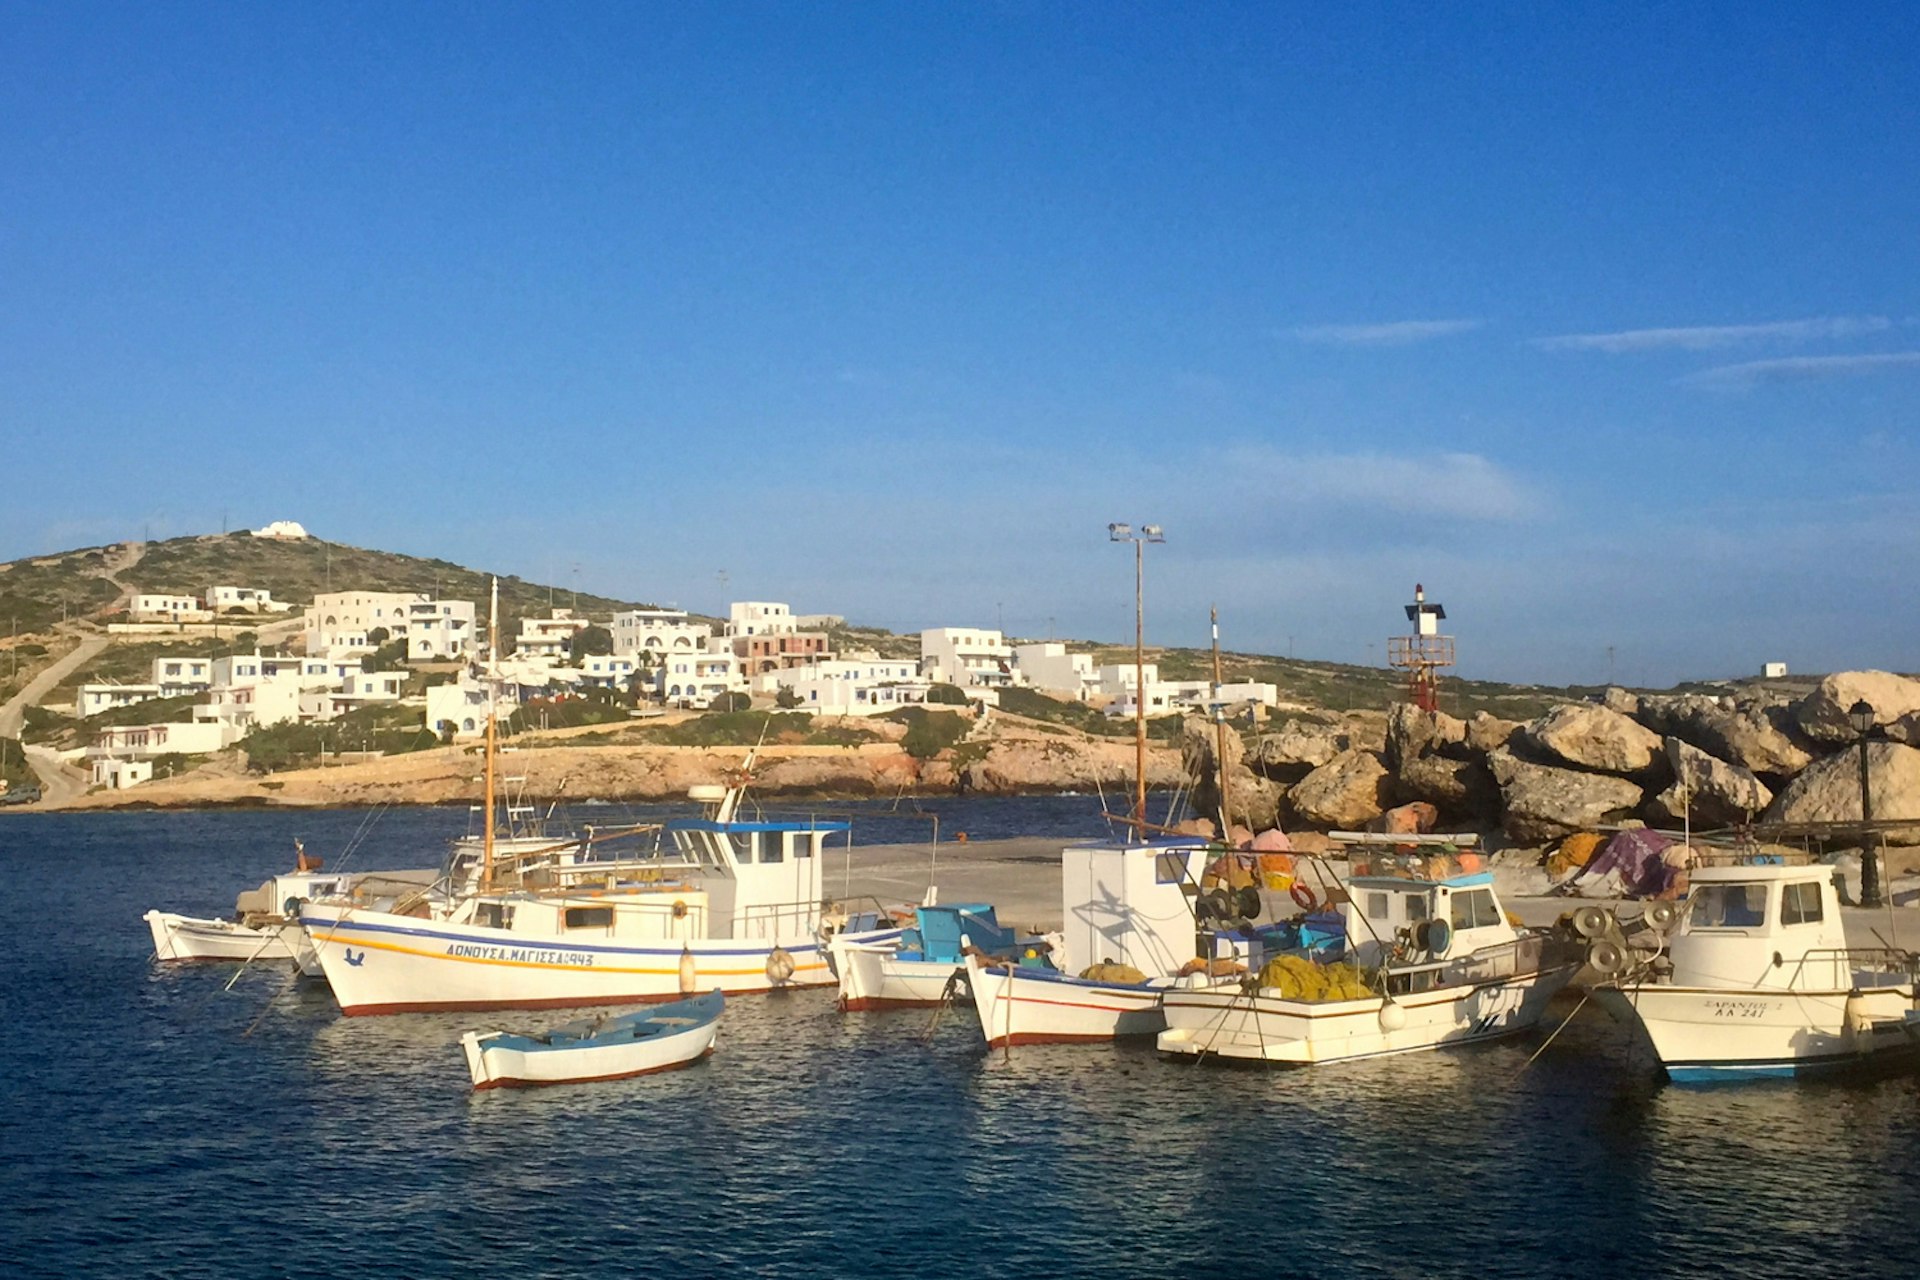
(1605, 324)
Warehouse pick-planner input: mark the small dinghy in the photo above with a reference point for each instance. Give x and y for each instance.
(660, 1038)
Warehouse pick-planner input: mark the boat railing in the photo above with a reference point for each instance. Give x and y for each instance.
(1431, 864)
(776, 919)
(1776, 856)
(1834, 968)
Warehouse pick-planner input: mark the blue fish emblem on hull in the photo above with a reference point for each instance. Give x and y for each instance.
(356, 960)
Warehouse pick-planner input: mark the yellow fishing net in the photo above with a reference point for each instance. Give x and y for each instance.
(1110, 972)
(1297, 978)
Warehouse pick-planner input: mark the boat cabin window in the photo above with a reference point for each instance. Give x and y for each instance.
(1169, 868)
(1474, 909)
(1377, 906)
(802, 842)
(1800, 903)
(1416, 907)
(493, 915)
(589, 917)
(770, 848)
(1728, 906)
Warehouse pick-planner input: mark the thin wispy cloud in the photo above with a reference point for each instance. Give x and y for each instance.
(1802, 369)
(1717, 336)
(1395, 333)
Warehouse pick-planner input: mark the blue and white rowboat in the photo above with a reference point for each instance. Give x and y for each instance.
(659, 1038)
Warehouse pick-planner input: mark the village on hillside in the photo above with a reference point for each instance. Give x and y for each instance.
(422, 660)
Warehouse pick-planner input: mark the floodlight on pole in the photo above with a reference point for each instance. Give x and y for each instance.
(1122, 532)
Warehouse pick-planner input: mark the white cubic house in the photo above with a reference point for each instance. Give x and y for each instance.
(342, 621)
(966, 656)
(550, 637)
(658, 631)
(243, 600)
(860, 686)
(167, 608)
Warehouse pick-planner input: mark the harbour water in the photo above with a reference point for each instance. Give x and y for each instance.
(156, 1124)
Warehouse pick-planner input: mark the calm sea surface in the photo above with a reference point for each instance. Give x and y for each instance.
(156, 1124)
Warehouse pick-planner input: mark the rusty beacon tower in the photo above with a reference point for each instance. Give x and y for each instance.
(1423, 654)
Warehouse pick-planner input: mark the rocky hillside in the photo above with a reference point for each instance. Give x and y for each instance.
(1755, 755)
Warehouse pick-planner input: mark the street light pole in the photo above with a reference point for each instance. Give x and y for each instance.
(1861, 714)
(1147, 533)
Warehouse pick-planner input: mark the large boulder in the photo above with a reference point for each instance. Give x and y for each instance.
(1594, 737)
(1710, 791)
(1543, 803)
(1829, 790)
(1761, 737)
(1413, 732)
(1488, 732)
(1297, 749)
(1823, 713)
(1345, 793)
(1459, 787)
(1906, 729)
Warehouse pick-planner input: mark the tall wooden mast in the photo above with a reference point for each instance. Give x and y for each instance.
(493, 644)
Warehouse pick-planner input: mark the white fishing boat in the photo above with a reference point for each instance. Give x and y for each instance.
(1752, 976)
(1432, 960)
(919, 966)
(1130, 934)
(264, 924)
(659, 1038)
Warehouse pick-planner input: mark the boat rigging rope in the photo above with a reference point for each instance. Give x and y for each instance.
(1556, 1031)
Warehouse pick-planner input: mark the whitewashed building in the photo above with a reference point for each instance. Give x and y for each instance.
(658, 631)
(696, 679)
(1047, 665)
(147, 741)
(760, 618)
(607, 670)
(245, 599)
(966, 656)
(463, 705)
(861, 686)
(550, 637)
(177, 677)
(166, 608)
(342, 621)
(92, 699)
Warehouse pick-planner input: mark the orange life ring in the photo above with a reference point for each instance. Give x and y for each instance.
(679, 910)
(1303, 896)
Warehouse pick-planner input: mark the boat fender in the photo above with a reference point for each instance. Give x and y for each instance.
(780, 966)
(291, 908)
(679, 909)
(1303, 896)
(1858, 1024)
(1392, 1017)
(689, 972)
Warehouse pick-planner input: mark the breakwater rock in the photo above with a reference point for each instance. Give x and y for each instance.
(1657, 758)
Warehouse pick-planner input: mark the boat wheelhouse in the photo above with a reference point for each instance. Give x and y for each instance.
(1752, 976)
(1431, 960)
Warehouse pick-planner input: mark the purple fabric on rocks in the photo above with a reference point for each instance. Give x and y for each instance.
(1636, 856)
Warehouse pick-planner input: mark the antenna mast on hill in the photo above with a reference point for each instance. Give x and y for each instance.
(1423, 654)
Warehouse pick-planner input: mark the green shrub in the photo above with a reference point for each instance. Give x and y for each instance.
(929, 732)
(951, 695)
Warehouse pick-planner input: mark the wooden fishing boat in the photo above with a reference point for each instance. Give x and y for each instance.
(658, 1038)
(1752, 975)
(1431, 961)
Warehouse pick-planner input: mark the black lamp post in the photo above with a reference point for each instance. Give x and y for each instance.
(1861, 716)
